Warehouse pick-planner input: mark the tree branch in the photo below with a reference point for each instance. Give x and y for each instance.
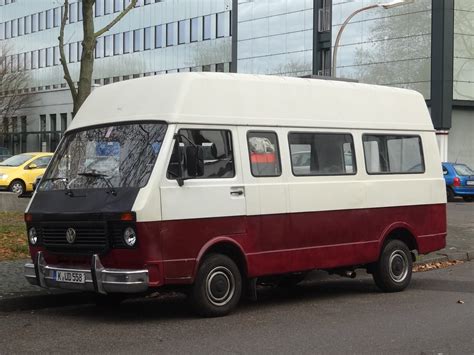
(67, 74)
(115, 20)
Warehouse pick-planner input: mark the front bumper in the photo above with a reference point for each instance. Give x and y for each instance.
(97, 278)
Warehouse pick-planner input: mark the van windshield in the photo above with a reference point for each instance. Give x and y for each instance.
(103, 157)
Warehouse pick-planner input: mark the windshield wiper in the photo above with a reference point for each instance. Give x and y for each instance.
(102, 177)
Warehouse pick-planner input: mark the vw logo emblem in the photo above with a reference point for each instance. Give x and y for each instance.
(70, 235)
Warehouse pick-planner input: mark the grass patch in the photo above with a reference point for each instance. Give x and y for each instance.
(13, 242)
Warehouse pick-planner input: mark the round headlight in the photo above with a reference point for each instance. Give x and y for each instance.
(129, 236)
(32, 236)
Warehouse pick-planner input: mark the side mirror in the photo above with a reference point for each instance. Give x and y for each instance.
(32, 166)
(194, 161)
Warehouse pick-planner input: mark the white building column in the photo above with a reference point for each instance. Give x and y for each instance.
(442, 138)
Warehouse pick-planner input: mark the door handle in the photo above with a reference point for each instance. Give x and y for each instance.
(237, 191)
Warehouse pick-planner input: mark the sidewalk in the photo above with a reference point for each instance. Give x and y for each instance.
(460, 240)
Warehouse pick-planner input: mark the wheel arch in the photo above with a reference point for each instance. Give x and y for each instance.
(20, 180)
(402, 232)
(225, 246)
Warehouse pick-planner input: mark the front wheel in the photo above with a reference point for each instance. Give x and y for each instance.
(218, 286)
(392, 273)
(17, 187)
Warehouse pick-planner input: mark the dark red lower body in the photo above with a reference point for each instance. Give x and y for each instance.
(274, 244)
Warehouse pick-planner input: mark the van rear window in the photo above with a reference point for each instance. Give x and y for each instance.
(393, 154)
(264, 154)
(321, 154)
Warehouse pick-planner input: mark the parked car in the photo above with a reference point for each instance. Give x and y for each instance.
(37, 182)
(459, 181)
(4, 154)
(18, 173)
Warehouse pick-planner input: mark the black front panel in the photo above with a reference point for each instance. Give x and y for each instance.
(89, 237)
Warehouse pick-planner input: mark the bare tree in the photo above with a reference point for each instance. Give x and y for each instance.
(13, 82)
(81, 92)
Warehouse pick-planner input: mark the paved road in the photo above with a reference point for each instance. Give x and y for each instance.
(324, 315)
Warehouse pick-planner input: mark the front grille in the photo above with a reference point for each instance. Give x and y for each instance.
(91, 237)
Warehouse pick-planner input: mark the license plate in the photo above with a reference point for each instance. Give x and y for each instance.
(470, 182)
(72, 277)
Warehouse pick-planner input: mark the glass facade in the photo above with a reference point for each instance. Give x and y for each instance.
(275, 37)
(385, 46)
(463, 73)
(156, 37)
(133, 46)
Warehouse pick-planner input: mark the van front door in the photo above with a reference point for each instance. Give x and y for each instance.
(205, 207)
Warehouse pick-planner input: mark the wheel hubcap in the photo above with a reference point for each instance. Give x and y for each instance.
(398, 266)
(220, 286)
(17, 188)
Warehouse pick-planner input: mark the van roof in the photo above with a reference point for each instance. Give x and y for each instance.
(255, 100)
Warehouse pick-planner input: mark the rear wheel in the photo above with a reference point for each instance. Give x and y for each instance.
(392, 273)
(218, 286)
(17, 187)
(449, 194)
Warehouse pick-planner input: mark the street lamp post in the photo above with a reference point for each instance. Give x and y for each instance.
(385, 6)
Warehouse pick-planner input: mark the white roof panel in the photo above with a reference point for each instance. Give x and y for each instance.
(256, 100)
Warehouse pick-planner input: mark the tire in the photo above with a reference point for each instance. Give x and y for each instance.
(468, 198)
(393, 271)
(450, 194)
(17, 187)
(217, 288)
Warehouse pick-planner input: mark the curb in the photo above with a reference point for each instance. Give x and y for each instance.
(462, 256)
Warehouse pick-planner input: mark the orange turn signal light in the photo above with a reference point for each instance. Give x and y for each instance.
(28, 217)
(128, 217)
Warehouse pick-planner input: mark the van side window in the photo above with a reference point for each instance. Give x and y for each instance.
(217, 153)
(264, 154)
(321, 154)
(393, 154)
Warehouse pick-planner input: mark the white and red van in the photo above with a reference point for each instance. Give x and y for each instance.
(215, 181)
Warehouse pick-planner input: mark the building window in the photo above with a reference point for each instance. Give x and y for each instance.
(42, 58)
(57, 17)
(41, 21)
(183, 32)
(116, 79)
(321, 154)
(49, 56)
(217, 153)
(147, 38)
(158, 36)
(21, 26)
(52, 122)
(99, 8)
(220, 67)
(126, 42)
(34, 23)
(223, 24)
(27, 21)
(264, 154)
(73, 12)
(206, 68)
(195, 29)
(117, 44)
(63, 122)
(108, 46)
(107, 7)
(137, 40)
(34, 59)
(206, 27)
(106, 81)
(392, 154)
(72, 52)
(56, 56)
(99, 47)
(118, 5)
(170, 34)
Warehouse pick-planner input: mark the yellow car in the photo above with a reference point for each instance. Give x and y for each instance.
(19, 172)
